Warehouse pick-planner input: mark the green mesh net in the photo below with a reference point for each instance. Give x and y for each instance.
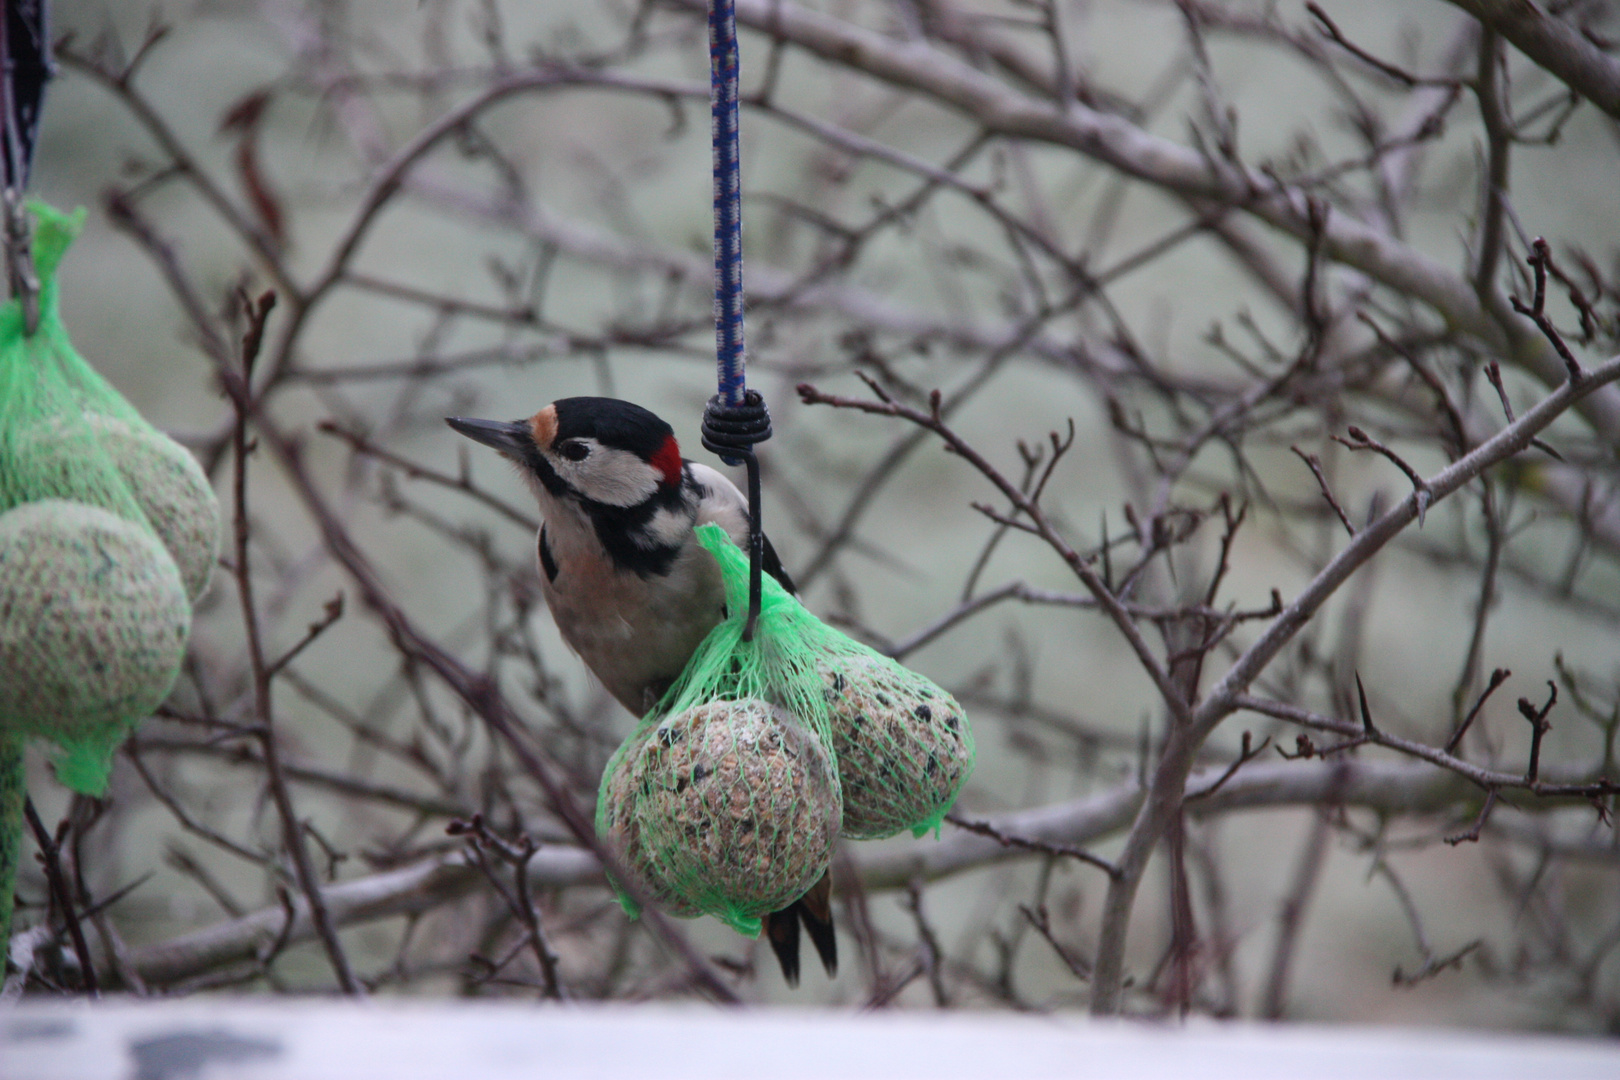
(617, 824)
(903, 744)
(730, 794)
(108, 531)
(736, 810)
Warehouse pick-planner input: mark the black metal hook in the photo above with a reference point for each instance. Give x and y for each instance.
(732, 431)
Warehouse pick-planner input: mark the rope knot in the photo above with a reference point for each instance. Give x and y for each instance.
(732, 430)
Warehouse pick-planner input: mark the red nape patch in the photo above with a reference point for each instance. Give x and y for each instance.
(667, 460)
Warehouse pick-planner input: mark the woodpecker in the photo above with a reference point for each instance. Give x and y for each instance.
(631, 589)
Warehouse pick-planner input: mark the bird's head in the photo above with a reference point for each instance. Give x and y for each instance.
(591, 450)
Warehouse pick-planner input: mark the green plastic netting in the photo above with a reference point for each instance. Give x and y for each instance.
(617, 825)
(729, 795)
(736, 805)
(108, 531)
(903, 744)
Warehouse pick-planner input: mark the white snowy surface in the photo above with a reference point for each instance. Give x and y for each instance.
(248, 1039)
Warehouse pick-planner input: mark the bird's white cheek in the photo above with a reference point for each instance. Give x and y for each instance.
(610, 477)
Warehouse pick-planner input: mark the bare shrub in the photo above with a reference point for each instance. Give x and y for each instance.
(1271, 348)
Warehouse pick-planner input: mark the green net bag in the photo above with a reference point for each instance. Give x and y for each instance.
(737, 807)
(897, 751)
(617, 825)
(902, 745)
(108, 531)
(725, 800)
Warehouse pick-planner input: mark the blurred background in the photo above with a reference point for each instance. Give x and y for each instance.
(1056, 212)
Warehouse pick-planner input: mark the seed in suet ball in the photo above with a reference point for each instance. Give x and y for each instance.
(738, 806)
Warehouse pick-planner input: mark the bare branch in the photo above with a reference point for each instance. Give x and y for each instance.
(1555, 45)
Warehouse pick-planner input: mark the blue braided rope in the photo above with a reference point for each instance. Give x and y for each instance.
(728, 269)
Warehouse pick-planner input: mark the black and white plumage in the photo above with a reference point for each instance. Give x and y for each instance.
(631, 589)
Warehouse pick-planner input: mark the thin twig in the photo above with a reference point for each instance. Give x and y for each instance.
(1330, 30)
(1498, 677)
(1485, 779)
(292, 831)
(1539, 726)
(1291, 920)
(1493, 374)
(1041, 920)
(1538, 259)
(50, 848)
(1246, 754)
(416, 471)
(332, 612)
(932, 958)
(984, 828)
(1360, 440)
(1315, 465)
(1471, 835)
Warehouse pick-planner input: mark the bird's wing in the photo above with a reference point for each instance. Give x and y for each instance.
(723, 505)
(720, 503)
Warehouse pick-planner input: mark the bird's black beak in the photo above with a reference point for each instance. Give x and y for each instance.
(510, 437)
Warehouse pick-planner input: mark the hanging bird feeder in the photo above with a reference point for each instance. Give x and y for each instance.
(108, 528)
(781, 733)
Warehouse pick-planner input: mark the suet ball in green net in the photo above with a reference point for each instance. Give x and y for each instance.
(903, 744)
(618, 827)
(738, 807)
(167, 484)
(173, 493)
(93, 627)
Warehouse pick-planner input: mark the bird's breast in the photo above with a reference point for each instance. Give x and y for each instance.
(634, 632)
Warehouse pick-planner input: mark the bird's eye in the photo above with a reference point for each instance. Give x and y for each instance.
(574, 450)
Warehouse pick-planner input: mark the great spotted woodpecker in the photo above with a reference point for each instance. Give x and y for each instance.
(631, 589)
